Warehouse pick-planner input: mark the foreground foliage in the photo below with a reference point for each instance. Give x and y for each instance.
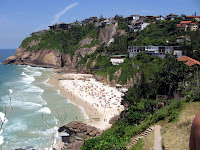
(150, 100)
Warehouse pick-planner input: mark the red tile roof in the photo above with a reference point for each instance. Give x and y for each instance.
(180, 26)
(182, 22)
(188, 61)
(181, 37)
(193, 16)
(194, 23)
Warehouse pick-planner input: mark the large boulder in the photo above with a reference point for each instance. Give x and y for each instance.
(78, 132)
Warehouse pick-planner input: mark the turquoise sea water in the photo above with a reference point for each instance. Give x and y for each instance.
(33, 102)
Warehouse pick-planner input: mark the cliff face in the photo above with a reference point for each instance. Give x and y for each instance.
(108, 33)
(44, 58)
(54, 59)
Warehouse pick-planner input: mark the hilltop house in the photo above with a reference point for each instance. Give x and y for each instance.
(106, 22)
(151, 17)
(159, 51)
(135, 17)
(89, 21)
(197, 18)
(138, 26)
(160, 17)
(188, 25)
(132, 19)
(172, 16)
(117, 59)
(63, 26)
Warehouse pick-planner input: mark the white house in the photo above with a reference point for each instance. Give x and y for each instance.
(117, 59)
(144, 25)
(138, 26)
(160, 17)
(172, 16)
(159, 51)
(135, 17)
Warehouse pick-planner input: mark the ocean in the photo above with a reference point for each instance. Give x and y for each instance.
(38, 109)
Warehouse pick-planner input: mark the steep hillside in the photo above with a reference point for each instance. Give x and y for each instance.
(60, 48)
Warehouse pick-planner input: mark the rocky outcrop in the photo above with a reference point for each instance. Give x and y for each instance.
(87, 51)
(108, 33)
(85, 41)
(43, 58)
(78, 132)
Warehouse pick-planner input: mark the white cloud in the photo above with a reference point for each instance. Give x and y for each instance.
(58, 15)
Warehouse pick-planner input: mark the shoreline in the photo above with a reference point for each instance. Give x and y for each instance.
(98, 116)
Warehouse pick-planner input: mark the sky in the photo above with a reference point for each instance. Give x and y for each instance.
(19, 18)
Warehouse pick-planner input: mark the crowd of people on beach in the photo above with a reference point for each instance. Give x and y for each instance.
(102, 100)
(107, 97)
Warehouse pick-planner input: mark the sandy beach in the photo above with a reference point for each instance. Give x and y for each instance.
(99, 101)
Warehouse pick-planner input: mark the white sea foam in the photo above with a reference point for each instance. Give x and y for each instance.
(23, 74)
(36, 73)
(45, 82)
(56, 135)
(26, 105)
(11, 91)
(1, 140)
(58, 92)
(26, 68)
(81, 108)
(45, 110)
(49, 133)
(28, 79)
(18, 125)
(46, 132)
(34, 89)
(83, 112)
(40, 100)
(2, 117)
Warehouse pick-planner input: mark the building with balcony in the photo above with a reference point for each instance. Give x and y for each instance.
(159, 51)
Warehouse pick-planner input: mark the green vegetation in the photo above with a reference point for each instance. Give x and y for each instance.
(160, 87)
(192, 48)
(28, 40)
(123, 26)
(119, 46)
(179, 130)
(158, 83)
(92, 44)
(138, 145)
(64, 41)
(159, 33)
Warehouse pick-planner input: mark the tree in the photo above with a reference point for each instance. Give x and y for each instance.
(119, 18)
(171, 73)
